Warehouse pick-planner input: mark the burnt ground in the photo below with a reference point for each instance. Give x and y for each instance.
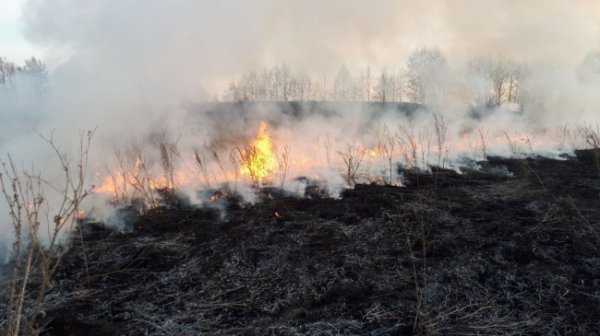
(477, 253)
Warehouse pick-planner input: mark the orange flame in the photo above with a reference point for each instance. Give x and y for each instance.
(258, 160)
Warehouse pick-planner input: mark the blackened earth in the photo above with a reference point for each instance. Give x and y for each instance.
(481, 253)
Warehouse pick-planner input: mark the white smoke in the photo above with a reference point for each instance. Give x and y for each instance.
(132, 67)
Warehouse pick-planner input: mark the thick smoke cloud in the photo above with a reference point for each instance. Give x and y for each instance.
(184, 43)
(132, 67)
(124, 61)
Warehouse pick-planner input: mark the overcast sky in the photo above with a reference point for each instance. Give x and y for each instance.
(378, 32)
(13, 45)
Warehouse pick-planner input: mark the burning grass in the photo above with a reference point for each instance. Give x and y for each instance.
(258, 159)
(275, 155)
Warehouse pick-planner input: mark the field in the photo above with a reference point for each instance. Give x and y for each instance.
(509, 249)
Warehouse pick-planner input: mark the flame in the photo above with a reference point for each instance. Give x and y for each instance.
(376, 152)
(108, 186)
(122, 184)
(259, 160)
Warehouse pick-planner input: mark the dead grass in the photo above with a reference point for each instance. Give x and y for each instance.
(27, 196)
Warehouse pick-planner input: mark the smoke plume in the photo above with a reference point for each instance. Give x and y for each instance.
(135, 68)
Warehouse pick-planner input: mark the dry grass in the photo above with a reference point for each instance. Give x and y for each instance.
(283, 164)
(386, 144)
(27, 195)
(352, 157)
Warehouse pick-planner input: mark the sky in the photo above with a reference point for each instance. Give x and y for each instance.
(308, 35)
(13, 44)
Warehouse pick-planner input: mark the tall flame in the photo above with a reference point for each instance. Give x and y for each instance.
(258, 159)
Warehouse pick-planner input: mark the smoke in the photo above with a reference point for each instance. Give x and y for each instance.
(133, 67)
(142, 59)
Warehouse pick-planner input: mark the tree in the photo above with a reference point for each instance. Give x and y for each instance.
(383, 86)
(232, 93)
(324, 89)
(368, 83)
(35, 67)
(425, 69)
(501, 77)
(342, 85)
(8, 71)
(304, 87)
(589, 69)
(388, 88)
(2, 71)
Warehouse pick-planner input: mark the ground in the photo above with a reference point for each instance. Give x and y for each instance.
(512, 247)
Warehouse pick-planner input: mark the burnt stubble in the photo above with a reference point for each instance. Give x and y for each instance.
(449, 253)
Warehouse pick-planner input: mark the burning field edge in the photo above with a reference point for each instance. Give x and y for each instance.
(475, 252)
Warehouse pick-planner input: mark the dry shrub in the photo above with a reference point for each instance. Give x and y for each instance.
(352, 157)
(26, 193)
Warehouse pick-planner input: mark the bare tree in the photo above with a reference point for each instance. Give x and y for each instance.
(10, 71)
(425, 70)
(233, 93)
(304, 87)
(388, 87)
(324, 87)
(383, 86)
(3, 77)
(503, 79)
(368, 83)
(342, 85)
(589, 69)
(34, 66)
(395, 87)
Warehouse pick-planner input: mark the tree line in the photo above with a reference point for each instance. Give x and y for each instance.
(9, 71)
(423, 79)
(22, 87)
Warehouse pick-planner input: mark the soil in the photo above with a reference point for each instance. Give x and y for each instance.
(512, 248)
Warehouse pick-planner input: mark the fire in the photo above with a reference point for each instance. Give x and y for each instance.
(139, 175)
(376, 153)
(258, 159)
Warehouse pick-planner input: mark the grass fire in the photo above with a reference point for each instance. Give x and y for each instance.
(299, 168)
(258, 159)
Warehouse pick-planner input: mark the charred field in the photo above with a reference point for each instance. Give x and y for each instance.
(449, 253)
